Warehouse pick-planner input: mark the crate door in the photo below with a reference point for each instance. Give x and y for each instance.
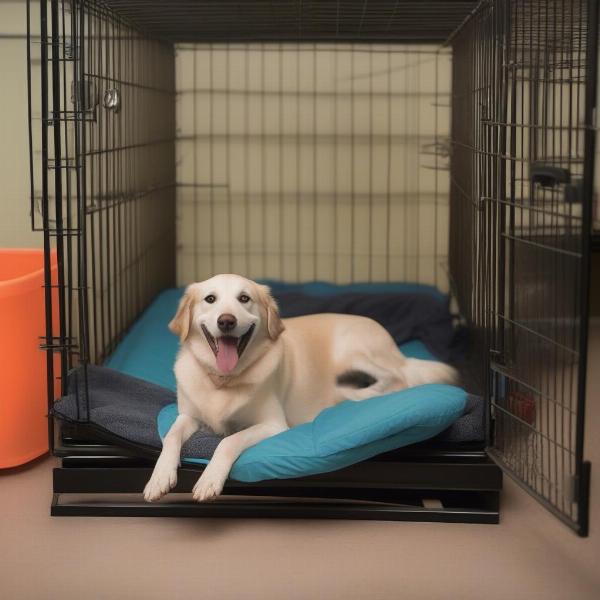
(537, 231)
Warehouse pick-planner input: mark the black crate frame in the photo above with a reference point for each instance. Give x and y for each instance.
(91, 180)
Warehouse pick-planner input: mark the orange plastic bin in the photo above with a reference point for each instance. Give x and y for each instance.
(23, 395)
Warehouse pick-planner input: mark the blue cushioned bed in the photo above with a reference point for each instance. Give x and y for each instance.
(133, 396)
(149, 348)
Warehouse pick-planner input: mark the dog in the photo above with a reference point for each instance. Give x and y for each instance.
(248, 374)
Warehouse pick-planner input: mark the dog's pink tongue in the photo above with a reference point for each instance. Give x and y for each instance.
(227, 354)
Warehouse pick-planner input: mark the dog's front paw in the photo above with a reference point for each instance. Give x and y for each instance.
(164, 479)
(209, 486)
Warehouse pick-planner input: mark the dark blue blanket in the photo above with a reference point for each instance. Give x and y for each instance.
(408, 316)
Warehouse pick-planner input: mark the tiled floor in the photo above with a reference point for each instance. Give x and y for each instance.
(529, 555)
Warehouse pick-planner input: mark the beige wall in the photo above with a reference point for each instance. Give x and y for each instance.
(312, 163)
(15, 229)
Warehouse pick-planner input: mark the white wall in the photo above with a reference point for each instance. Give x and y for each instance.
(15, 229)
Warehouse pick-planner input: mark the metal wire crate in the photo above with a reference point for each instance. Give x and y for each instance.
(522, 180)
(465, 126)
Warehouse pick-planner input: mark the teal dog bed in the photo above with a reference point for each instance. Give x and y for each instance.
(134, 399)
(149, 348)
(344, 434)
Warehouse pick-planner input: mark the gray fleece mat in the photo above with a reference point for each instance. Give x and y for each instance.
(128, 407)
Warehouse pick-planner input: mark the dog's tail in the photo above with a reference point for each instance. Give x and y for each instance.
(418, 372)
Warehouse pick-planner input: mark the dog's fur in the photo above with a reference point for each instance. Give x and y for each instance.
(289, 371)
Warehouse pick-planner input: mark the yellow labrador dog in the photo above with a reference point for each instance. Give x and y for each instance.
(248, 374)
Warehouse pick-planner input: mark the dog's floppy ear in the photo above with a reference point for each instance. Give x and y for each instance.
(180, 325)
(274, 323)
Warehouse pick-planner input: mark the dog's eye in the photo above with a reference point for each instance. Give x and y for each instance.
(244, 298)
(210, 298)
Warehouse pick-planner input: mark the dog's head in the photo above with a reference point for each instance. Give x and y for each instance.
(229, 313)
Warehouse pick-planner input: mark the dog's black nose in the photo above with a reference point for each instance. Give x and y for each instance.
(226, 322)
